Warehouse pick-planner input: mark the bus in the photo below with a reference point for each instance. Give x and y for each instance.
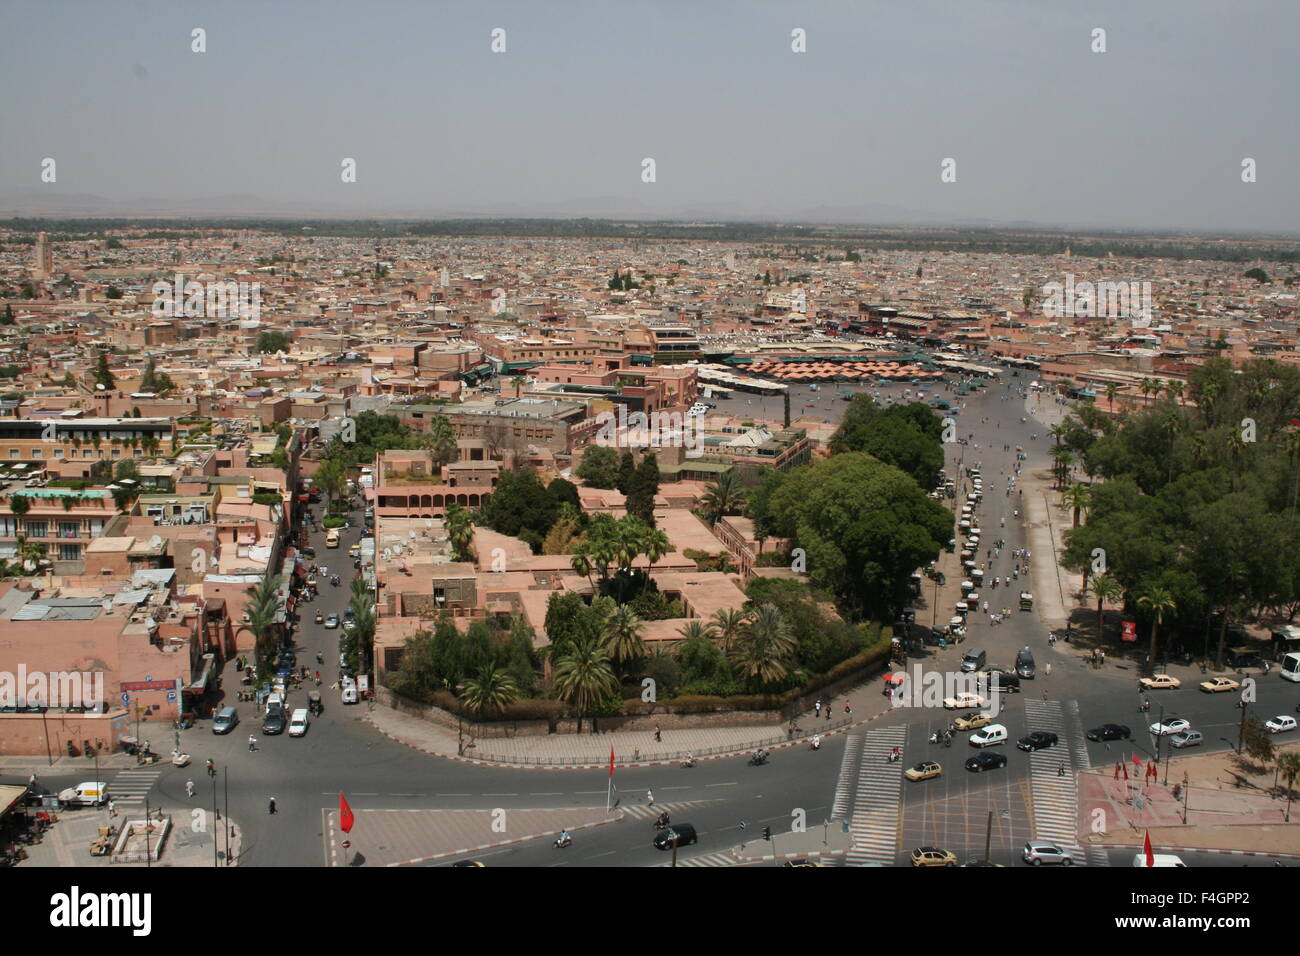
(1291, 667)
(332, 538)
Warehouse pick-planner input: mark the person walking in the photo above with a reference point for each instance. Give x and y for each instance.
(650, 798)
(112, 809)
(252, 743)
(271, 807)
(189, 789)
(658, 736)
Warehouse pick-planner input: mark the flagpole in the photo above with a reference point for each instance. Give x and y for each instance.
(609, 787)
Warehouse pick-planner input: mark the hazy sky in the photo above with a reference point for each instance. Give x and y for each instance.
(1150, 134)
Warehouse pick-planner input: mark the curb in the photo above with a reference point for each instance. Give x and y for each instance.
(604, 765)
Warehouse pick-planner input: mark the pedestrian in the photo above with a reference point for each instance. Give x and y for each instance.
(31, 781)
(189, 788)
(112, 810)
(848, 708)
(828, 711)
(650, 797)
(252, 743)
(271, 808)
(636, 755)
(818, 707)
(1102, 657)
(1044, 697)
(1060, 770)
(658, 736)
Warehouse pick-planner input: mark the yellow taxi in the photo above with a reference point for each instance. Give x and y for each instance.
(1160, 682)
(1218, 685)
(925, 770)
(972, 721)
(933, 856)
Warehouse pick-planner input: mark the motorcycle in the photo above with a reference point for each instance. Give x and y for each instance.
(335, 580)
(816, 743)
(563, 841)
(688, 762)
(179, 759)
(757, 760)
(320, 618)
(661, 821)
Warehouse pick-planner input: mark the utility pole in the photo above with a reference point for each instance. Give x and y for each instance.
(216, 814)
(1241, 727)
(988, 836)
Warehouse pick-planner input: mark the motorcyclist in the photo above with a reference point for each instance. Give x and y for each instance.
(689, 761)
(211, 767)
(817, 741)
(564, 839)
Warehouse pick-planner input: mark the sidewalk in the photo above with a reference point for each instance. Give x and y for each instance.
(188, 842)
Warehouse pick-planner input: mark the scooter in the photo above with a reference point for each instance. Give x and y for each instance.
(563, 841)
(661, 821)
(757, 760)
(816, 743)
(688, 762)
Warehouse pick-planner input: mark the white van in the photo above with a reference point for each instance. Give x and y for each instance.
(349, 690)
(1291, 667)
(90, 794)
(989, 736)
(1158, 859)
(298, 722)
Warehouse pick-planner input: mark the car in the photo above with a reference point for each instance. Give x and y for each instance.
(289, 658)
(933, 856)
(226, 720)
(274, 723)
(925, 770)
(299, 722)
(1110, 732)
(988, 736)
(1188, 738)
(678, 834)
(1037, 740)
(986, 761)
(1160, 682)
(1174, 725)
(1038, 852)
(1280, 724)
(972, 721)
(964, 702)
(468, 863)
(801, 863)
(1219, 685)
(332, 621)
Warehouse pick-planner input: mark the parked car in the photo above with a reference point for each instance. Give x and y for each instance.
(1037, 740)
(1160, 682)
(274, 722)
(1188, 738)
(1038, 852)
(226, 720)
(1110, 732)
(332, 621)
(986, 761)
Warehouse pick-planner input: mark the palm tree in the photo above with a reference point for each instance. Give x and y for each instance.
(695, 629)
(460, 530)
(1077, 497)
(1157, 601)
(1057, 432)
(726, 496)
(583, 678)
(492, 690)
(262, 610)
(729, 623)
(1104, 588)
(1288, 764)
(654, 547)
(761, 654)
(1062, 459)
(622, 635)
(1111, 391)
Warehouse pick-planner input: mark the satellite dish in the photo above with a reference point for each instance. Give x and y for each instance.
(155, 542)
(411, 533)
(388, 555)
(428, 522)
(99, 386)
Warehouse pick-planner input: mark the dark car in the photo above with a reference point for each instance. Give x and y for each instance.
(679, 834)
(1004, 681)
(288, 659)
(1037, 740)
(273, 722)
(986, 761)
(1110, 732)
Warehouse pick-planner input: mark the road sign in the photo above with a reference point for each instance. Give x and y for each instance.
(126, 700)
(171, 697)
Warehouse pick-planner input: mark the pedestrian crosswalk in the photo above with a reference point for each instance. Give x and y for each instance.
(1052, 776)
(1079, 748)
(643, 811)
(844, 783)
(130, 787)
(722, 858)
(874, 824)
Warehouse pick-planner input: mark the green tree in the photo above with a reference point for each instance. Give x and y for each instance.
(460, 530)
(763, 651)
(521, 507)
(440, 441)
(272, 342)
(726, 496)
(907, 437)
(599, 467)
(1104, 588)
(1158, 602)
(623, 641)
(491, 691)
(626, 473)
(103, 376)
(262, 611)
(584, 678)
(644, 488)
(1076, 498)
(8, 317)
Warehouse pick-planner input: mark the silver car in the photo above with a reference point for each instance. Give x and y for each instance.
(1188, 738)
(1038, 852)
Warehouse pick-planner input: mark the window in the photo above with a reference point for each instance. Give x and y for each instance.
(8, 527)
(37, 453)
(69, 529)
(69, 552)
(13, 453)
(36, 529)
(58, 453)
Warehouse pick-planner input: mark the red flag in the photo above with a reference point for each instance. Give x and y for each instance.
(1137, 760)
(611, 763)
(345, 814)
(1125, 768)
(1146, 848)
